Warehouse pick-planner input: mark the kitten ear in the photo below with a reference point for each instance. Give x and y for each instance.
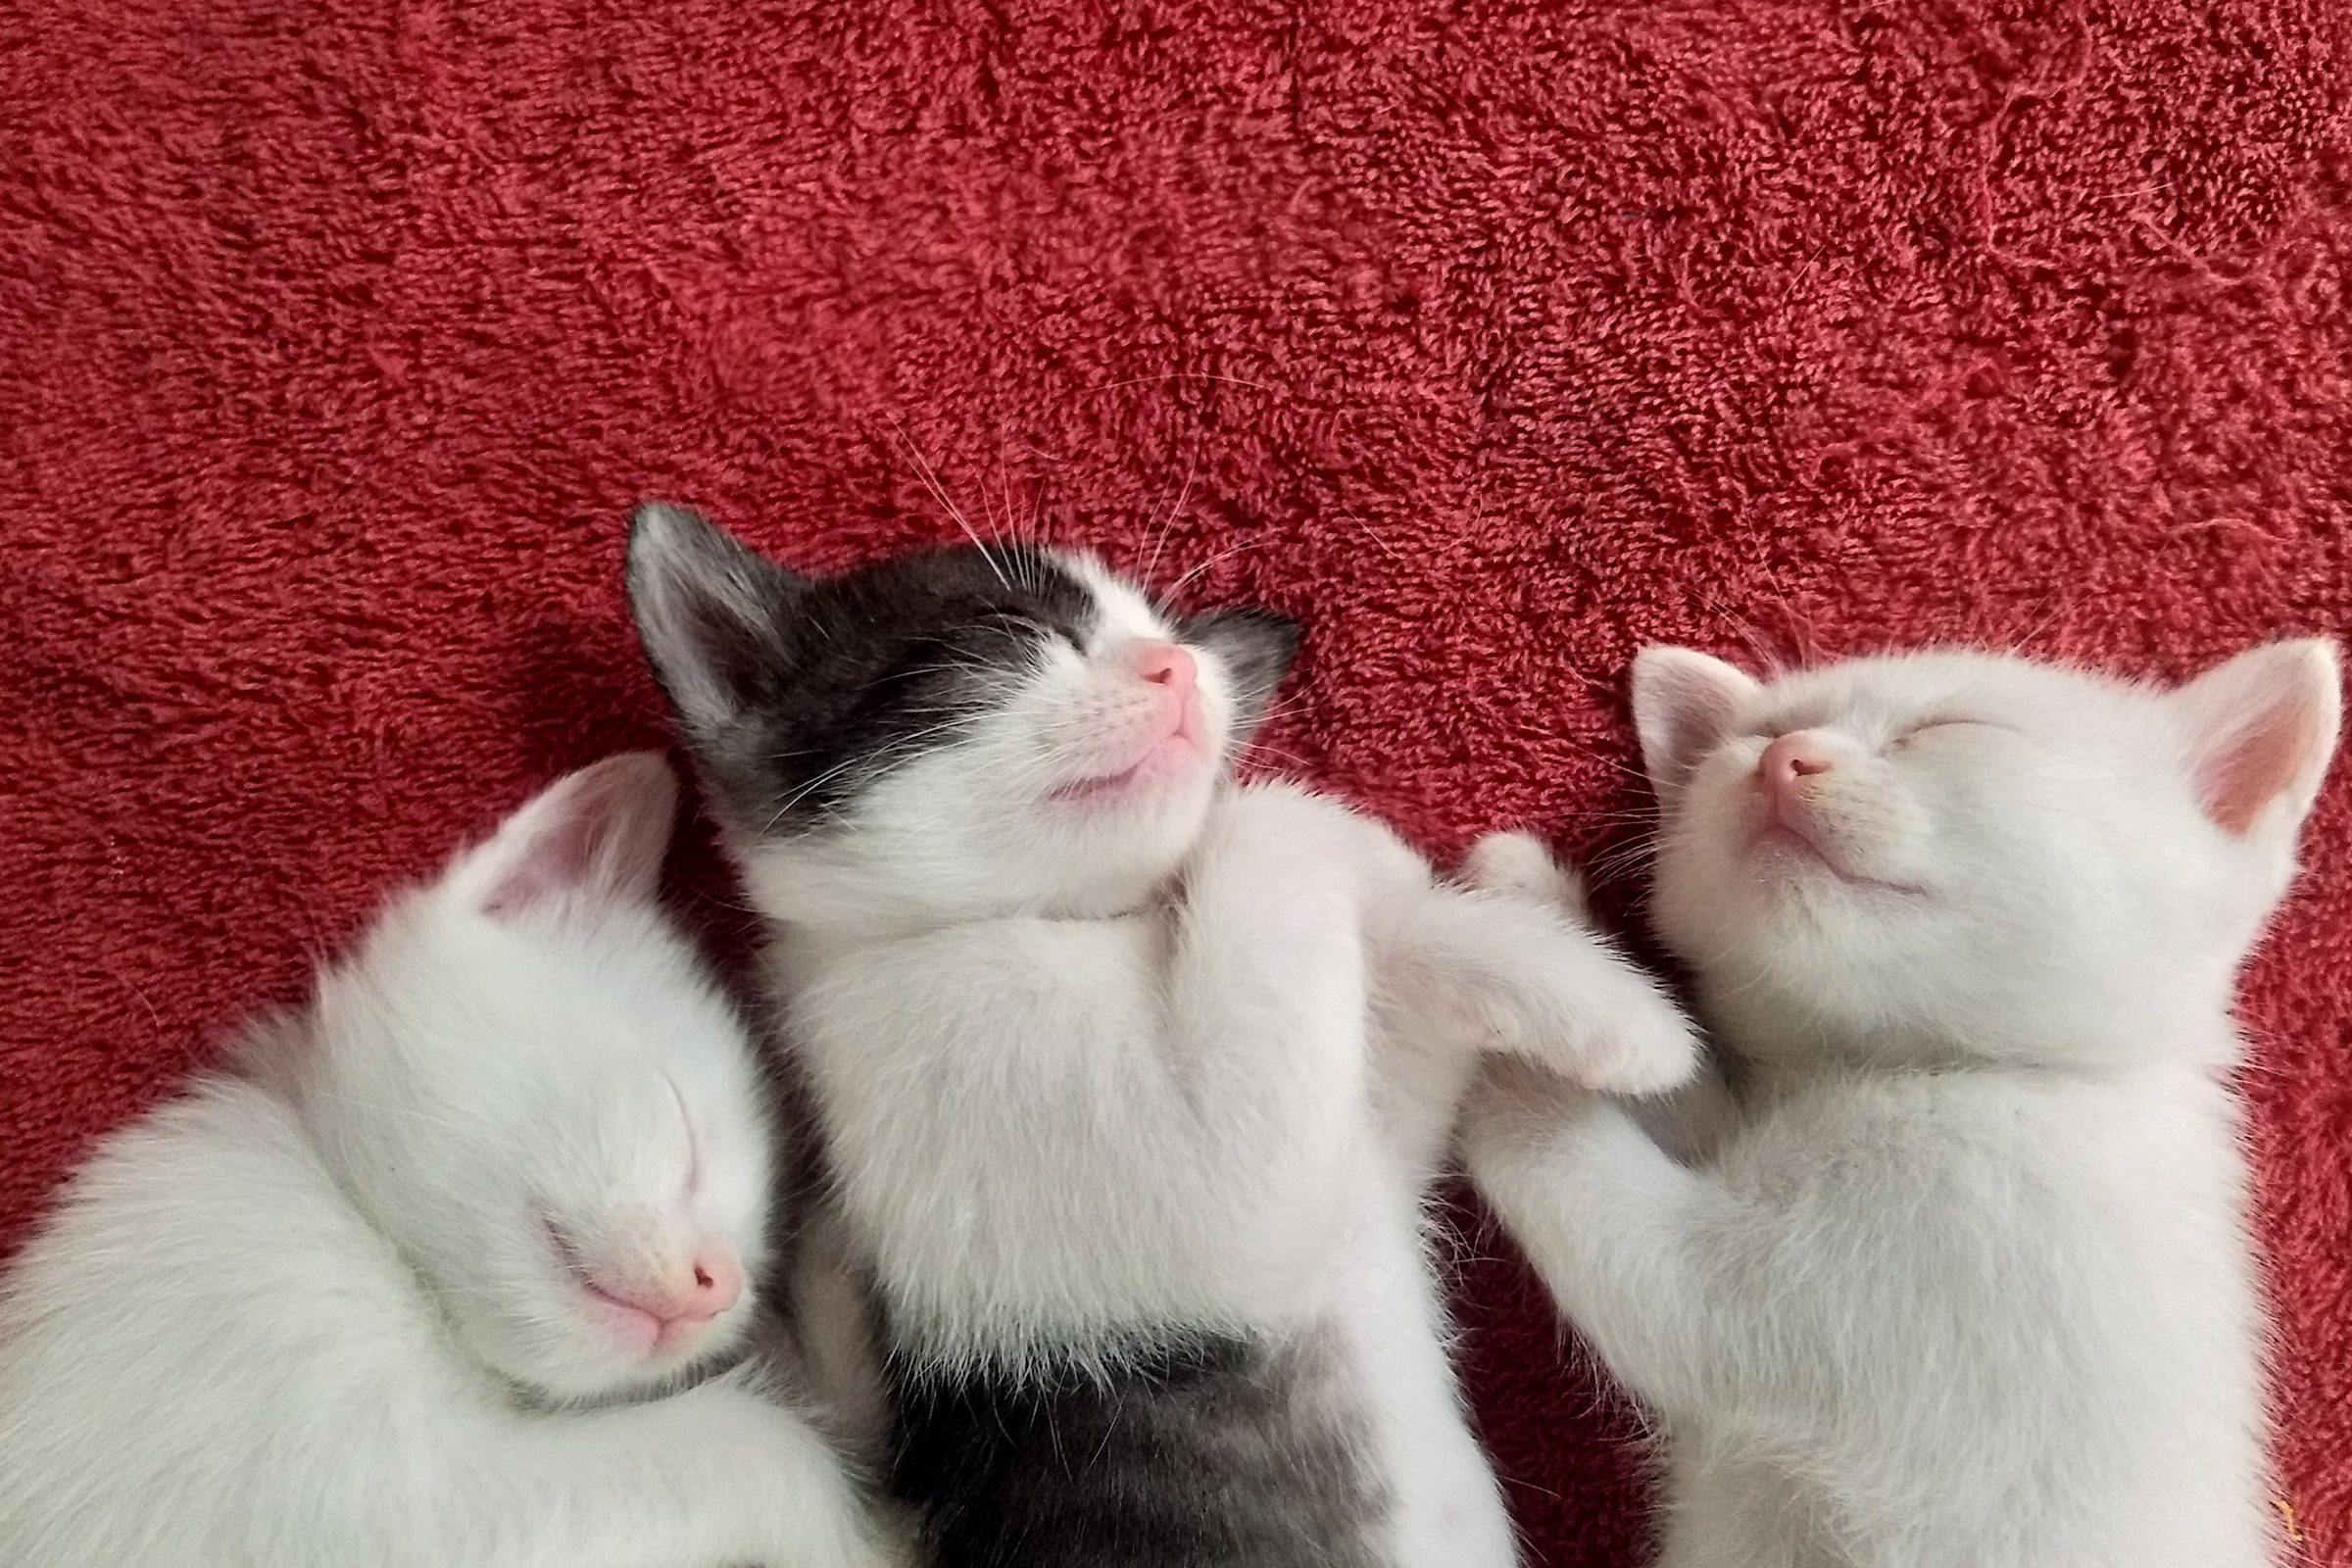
(713, 616)
(1255, 646)
(1684, 703)
(2261, 729)
(600, 834)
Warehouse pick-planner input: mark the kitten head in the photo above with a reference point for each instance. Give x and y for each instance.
(1942, 854)
(527, 1083)
(949, 734)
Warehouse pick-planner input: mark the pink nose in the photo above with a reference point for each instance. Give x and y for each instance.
(694, 1295)
(1164, 664)
(1802, 755)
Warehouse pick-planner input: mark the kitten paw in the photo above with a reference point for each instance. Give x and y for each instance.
(1581, 1010)
(1517, 863)
(1641, 1045)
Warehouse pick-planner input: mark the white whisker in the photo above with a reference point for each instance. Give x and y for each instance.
(930, 477)
(1167, 523)
(1178, 586)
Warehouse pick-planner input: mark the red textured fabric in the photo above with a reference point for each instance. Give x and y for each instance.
(1491, 338)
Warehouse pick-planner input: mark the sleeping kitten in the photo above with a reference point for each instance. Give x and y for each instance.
(1964, 1282)
(1087, 1031)
(361, 1304)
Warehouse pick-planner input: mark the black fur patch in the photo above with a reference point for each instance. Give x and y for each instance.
(794, 692)
(1255, 646)
(1215, 1453)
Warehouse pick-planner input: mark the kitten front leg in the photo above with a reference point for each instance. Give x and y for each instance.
(1512, 965)
(1643, 1254)
(716, 1477)
(1696, 1116)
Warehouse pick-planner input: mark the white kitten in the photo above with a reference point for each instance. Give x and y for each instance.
(1963, 1281)
(1087, 1028)
(333, 1311)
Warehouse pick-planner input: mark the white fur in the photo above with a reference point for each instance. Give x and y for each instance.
(1090, 1070)
(1960, 1279)
(308, 1316)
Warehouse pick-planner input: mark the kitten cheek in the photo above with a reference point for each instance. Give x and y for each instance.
(1217, 713)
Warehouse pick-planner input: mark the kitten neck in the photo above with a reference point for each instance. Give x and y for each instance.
(835, 932)
(810, 886)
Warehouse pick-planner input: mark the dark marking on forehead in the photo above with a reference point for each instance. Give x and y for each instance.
(1003, 585)
(796, 693)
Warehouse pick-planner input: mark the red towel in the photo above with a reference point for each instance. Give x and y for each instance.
(1492, 338)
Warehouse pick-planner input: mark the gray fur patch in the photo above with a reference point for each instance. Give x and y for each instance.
(1214, 1452)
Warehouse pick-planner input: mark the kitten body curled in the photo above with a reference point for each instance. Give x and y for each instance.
(411, 1284)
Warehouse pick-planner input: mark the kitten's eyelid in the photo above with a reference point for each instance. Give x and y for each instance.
(1020, 621)
(694, 1142)
(1913, 730)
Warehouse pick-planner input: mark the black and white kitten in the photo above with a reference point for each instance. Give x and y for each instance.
(1132, 1078)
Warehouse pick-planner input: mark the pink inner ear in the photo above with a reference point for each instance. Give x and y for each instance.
(603, 831)
(2241, 779)
(556, 859)
(1684, 703)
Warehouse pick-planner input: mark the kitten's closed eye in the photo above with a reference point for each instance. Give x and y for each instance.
(1021, 624)
(694, 1144)
(1942, 723)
